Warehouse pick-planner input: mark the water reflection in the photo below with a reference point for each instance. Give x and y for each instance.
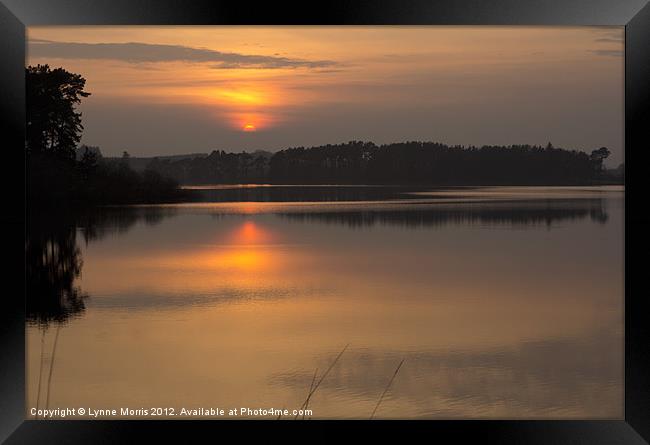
(235, 304)
(340, 193)
(52, 264)
(54, 259)
(484, 383)
(499, 213)
(288, 193)
(113, 221)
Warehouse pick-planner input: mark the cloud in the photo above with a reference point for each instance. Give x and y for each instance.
(134, 52)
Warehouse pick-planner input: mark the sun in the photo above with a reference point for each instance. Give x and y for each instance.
(249, 127)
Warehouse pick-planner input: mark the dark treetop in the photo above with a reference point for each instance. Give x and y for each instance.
(56, 175)
(422, 163)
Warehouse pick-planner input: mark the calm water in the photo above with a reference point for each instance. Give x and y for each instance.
(502, 302)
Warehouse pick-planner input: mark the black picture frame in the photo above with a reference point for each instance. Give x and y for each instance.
(16, 15)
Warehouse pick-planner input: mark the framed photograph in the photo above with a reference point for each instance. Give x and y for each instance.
(406, 217)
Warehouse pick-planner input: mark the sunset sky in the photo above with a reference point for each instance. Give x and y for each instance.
(175, 90)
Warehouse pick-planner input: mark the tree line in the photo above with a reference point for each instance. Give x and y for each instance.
(407, 163)
(60, 171)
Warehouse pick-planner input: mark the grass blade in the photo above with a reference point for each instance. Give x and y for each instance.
(390, 382)
(313, 390)
(311, 386)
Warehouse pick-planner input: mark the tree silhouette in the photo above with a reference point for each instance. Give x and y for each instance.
(60, 174)
(598, 156)
(406, 163)
(53, 125)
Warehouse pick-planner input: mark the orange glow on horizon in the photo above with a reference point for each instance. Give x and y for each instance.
(280, 84)
(251, 121)
(242, 98)
(250, 108)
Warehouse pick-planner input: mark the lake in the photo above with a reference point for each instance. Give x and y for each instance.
(502, 302)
